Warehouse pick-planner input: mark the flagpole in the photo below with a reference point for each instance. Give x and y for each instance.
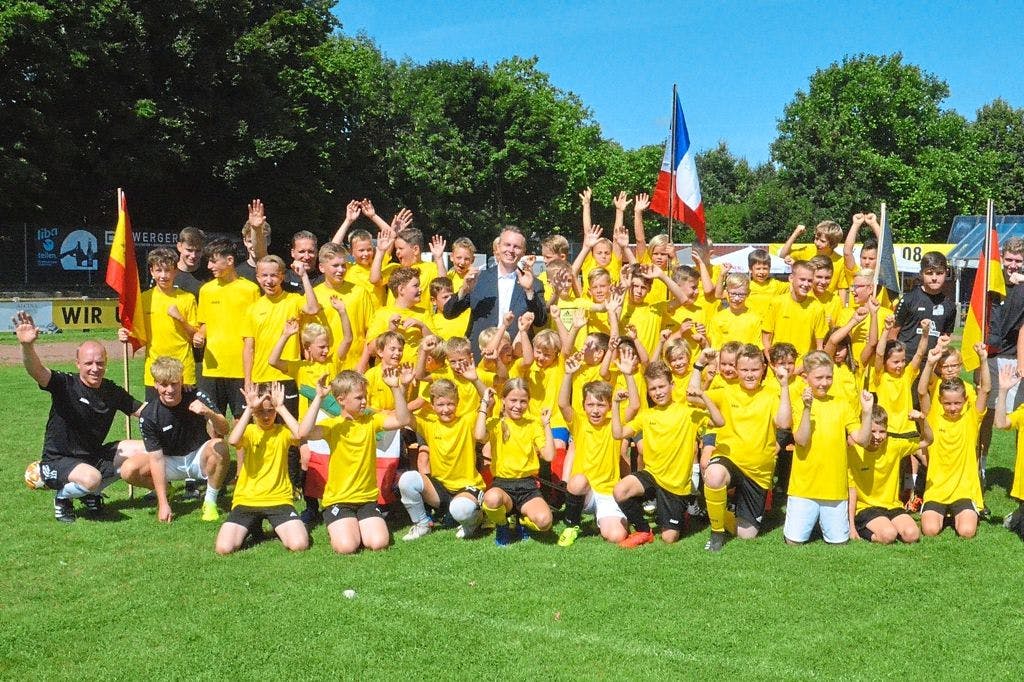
(878, 258)
(124, 366)
(982, 271)
(672, 168)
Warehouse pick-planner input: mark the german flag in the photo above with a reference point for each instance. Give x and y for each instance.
(123, 276)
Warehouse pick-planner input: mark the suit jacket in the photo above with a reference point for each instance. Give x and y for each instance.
(482, 301)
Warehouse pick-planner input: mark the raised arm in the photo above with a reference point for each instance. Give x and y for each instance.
(480, 425)
(640, 204)
(849, 261)
(862, 436)
(572, 365)
(257, 220)
(437, 247)
(1008, 378)
(352, 213)
(922, 345)
(385, 241)
(291, 328)
(984, 378)
(346, 327)
(802, 435)
(27, 333)
(788, 246)
(784, 417)
(398, 379)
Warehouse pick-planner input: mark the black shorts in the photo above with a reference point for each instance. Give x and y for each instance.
(359, 512)
(671, 510)
(521, 490)
(445, 495)
(750, 497)
(252, 517)
(224, 393)
(862, 519)
(55, 469)
(784, 438)
(950, 510)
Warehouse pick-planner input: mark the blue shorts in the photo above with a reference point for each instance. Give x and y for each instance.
(560, 433)
(832, 515)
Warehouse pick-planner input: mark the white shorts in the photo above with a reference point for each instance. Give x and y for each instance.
(319, 447)
(802, 513)
(602, 506)
(187, 466)
(389, 444)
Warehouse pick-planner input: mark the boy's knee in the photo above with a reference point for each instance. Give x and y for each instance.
(911, 535)
(344, 545)
(296, 544)
(614, 533)
(542, 520)
(492, 498)
(376, 544)
(885, 536)
(410, 482)
(462, 509)
(670, 536)
(578, 484)
(224, 546)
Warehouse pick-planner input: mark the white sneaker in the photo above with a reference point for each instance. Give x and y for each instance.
(417, 531)
(465, 533)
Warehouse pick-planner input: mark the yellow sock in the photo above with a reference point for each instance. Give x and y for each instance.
(716, 499)
(528, 522)
(730, 522)
(497, 516)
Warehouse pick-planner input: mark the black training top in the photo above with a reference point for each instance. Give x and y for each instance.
(917, 305)
(174, 430)
(80, 416)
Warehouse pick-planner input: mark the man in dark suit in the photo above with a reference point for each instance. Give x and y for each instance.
(503, 287)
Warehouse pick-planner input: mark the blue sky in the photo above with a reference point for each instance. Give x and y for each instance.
(737, 64)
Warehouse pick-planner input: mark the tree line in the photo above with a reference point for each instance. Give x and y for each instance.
(195, 108)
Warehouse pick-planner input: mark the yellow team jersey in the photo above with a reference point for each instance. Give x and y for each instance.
(264, 323)
(542, 384)
(360, 276)
(695, 313)
(648, 318)
(896, 395)
(413, 334)
(809, 251)
(832, 305)
(359, 309)
(846, 386)
(859, 333)
(165, 335)
(583, 376)
(725, 325)
(1017, 422)
(223, 309)
(306, 373)
(427, 271)
(379, 395)
(935, 408)
(953, 459)
(515, 456)
(614, 267)
(748, 437)
(462, 321)
(820, 467)
(762, 294)
(446, 329)
(597, 453)
(796, 322)
(263, 478)
(670, 442)
(452, 450)
(352, 472)
(876, 473)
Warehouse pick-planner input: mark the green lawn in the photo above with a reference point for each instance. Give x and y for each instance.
(128, 598)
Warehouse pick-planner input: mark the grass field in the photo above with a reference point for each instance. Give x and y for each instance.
(126, 598)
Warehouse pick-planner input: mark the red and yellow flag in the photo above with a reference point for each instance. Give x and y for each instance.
(123, 276)
(987, 279)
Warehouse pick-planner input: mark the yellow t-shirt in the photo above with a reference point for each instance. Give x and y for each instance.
(860, 331)
(648, 318)
(223, 309)
(597, 453)
(381, 321)
(670, 441)
(796, 322)
(165, 335)
(516, 455)
(452, 449)
(460, 322)
(428, 273)
(935, 408)
(263, 479)
(820, 467)
(876, 473)
(832, 304)
(306, 373)
(748, 437)
(614, 267)
(1017, 422)
(360, 276)
(352, 472)
(725, 325)
(264, 323)
(379, 395)
(953, 459)
(542, 384)
(761, 295)
(896, 395)
(359, 309)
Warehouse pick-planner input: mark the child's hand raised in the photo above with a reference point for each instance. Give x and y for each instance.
(291, 327)
(406, 374)
(934, 355)
(626, 360)
(526, 321)
(620, 201)
(437, 246)
(982, 350)
(573, 363)
(620, 396)
(323, 386)
(252, 396)
(642, 203)
(585, 196)
(277, 394)
(867, 400)
(807, 397)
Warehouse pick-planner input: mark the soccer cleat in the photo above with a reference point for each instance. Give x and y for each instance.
(696, 510)
(522, 533)
(417, 531)
(93, 503)
(502, 536)
(568, 536)
(913, 505)
(716, 542)
(650, 506)
(466, 531)
(210, 512)
(637, 538)
(309, 517)
(63, 509)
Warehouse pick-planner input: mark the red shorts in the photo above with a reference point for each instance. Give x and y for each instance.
(387, 477)
(316, 475)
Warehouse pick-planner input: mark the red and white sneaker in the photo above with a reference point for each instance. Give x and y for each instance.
(636, 539)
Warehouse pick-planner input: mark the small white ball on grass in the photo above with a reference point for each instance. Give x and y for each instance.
(349, 594)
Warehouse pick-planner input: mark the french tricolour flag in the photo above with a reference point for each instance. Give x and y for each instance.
(683, 203)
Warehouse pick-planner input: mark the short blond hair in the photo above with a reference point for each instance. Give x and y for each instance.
(167, 370)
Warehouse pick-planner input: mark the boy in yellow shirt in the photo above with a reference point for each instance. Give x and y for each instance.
(827, 235)
(744, 454)
(819, 489)
(737, 322)
(358, 305)
(263, 490)
(796, 317)
(403, 315)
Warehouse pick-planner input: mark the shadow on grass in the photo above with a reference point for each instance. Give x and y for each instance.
(998, 476)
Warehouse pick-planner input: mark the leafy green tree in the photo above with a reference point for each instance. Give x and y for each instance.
(999, 129)
(871, 129)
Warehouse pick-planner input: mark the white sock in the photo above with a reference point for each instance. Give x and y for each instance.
(72, 491)
(695, 477)
(465, 512)
(411, 486)
(211, 494)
